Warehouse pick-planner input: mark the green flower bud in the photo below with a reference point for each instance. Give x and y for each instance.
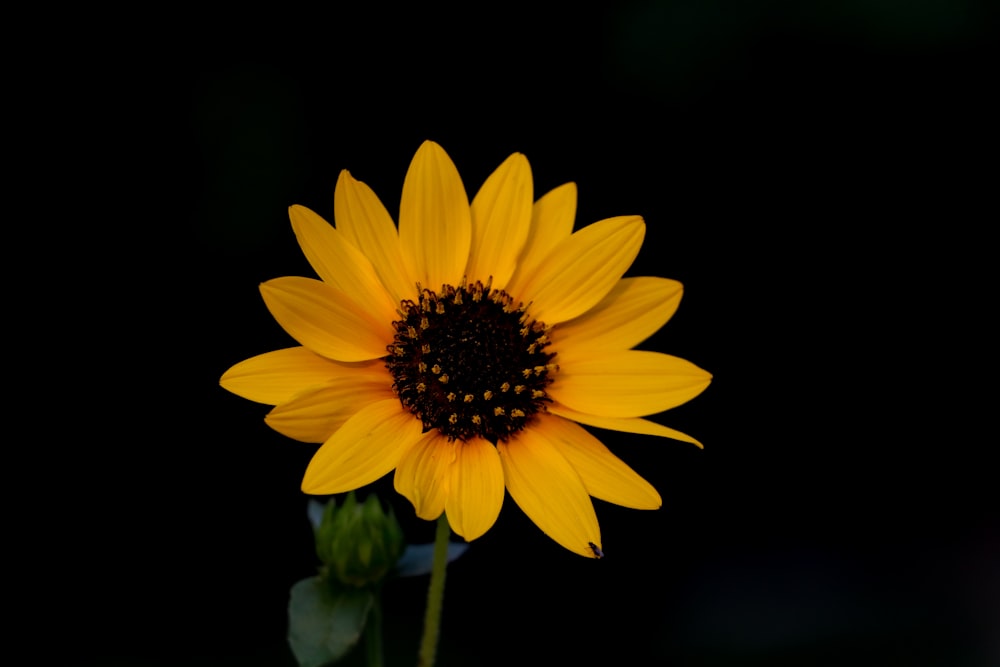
(358, 544)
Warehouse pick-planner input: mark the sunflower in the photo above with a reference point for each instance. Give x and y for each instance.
(465, 349)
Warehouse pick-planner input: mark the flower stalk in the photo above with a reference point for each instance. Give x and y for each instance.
(435, 595)
(373, 633)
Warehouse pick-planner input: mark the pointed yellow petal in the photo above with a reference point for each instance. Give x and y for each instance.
(581, 270)
(364, 449)
(422, 474)
(315, 414)
(628, 383)
(631, 312)
(547, 488)
(552, 219)
(604, 475)
(623, 424)
(274, 377)
(435, 228)
(324, 320)
(368, 226)
(340, 264)
(475, 492)
(501, 217)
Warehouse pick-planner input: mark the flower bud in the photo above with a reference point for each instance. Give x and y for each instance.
(358, 544)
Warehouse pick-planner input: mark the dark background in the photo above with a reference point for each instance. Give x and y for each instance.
(816, 177)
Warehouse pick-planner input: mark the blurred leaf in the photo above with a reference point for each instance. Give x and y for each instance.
(314, 510)
(419, 558)
(323, 625)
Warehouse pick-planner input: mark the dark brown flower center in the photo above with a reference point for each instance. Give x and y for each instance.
(469, 362)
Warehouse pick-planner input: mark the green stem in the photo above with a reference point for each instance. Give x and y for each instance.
(373, 632)
(435, 595)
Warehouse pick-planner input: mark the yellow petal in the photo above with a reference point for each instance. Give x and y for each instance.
(552, 219)
(628, 383)
(274, 377)
(422, 474)
(324, 320)
(604, 475)
(581, 270)
(475, 492)
(435, 229)
(340, 264)
(315, 414)
(368, 226)
(501, 217)
(547, 488)
(631, 312)
(623, 424)
(364, 449)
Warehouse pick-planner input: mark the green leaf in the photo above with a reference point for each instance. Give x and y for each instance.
(323, 625)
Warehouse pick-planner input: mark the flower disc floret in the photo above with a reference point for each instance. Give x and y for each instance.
(469, 362)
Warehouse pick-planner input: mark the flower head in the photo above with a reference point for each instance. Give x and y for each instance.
(465, 349)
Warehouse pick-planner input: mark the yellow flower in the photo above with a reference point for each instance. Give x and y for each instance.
(464, 350)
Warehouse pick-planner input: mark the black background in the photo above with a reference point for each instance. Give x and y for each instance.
(816, 177)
